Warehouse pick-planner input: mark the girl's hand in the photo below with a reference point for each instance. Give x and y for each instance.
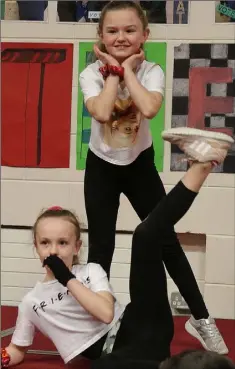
(104, 57)
(59, 269)
(134, 60)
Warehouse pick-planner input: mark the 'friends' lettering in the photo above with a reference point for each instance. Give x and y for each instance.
(43, 304)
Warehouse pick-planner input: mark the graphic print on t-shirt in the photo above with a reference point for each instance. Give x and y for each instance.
(59, 296)
(43, 304)
(122, 129)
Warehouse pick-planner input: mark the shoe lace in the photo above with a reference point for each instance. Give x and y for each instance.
(213, 332)
(184, 159)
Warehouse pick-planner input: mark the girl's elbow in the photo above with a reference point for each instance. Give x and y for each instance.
(100, 115)
(102, 118)
(150, 113)
(108, 317)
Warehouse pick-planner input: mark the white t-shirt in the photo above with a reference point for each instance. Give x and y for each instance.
(57, 314)
(121, 140)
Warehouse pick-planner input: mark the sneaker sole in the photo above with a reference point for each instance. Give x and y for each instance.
(193, 332)
(186, 131)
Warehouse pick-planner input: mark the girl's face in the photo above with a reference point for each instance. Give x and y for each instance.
(57, 236)
(123, 33)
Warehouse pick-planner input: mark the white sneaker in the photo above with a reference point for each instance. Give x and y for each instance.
(200, 145)
(206, 331)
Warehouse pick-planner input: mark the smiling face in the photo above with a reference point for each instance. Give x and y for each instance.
(123, 33)
(56, 235)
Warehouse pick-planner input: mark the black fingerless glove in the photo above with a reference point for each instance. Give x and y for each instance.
(59, 269)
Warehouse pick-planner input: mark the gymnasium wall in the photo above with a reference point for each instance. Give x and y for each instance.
(39, 172)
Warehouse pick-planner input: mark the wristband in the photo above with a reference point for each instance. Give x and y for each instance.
(5, 358)
(114, 70)
(104, 71)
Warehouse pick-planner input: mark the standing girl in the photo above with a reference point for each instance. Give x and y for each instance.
(122, 92)
(74, 306)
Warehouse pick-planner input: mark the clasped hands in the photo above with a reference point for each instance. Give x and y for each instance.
(130, 63)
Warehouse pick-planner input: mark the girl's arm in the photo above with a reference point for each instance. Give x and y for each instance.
(22, 337)
(148, 102)
(99, 304)
(100, 100)
(101, 107)
(17, 353)
(97, 299)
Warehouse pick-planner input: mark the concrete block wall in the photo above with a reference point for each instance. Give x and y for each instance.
(207, 231)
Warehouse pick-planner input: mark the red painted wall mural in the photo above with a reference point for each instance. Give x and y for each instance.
(36, 93)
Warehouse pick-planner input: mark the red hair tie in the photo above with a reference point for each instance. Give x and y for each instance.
(55, 208)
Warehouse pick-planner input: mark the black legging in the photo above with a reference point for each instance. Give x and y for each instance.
(146, 330)
(142, 185)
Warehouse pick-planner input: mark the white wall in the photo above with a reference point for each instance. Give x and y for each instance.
(213, 213)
